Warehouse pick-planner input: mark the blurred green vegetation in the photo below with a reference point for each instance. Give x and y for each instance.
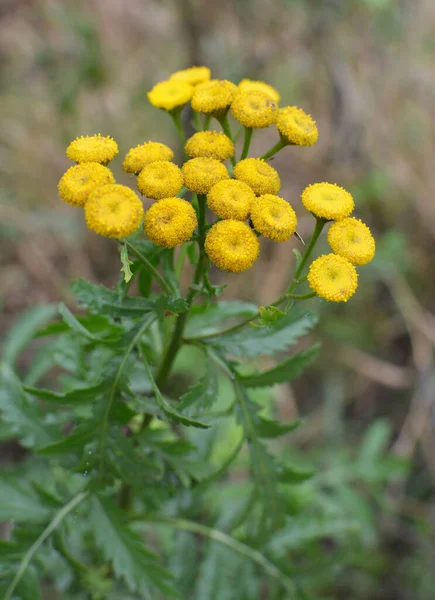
(365, 70)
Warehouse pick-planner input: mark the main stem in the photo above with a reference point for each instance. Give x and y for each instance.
(176, 339)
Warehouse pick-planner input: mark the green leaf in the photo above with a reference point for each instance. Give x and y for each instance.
(24, 418)
(75, 324)
(24, 330)
(19, 502)
(268, 428)
(285, 371)
(375, 441)
(126, 262)
(132, 561)
(102, 301)
(129, 462)
(252, 341)
(74, 442)
(200, 397)
(209, 318)
(168, 409)
(80, 395)
(268, 316)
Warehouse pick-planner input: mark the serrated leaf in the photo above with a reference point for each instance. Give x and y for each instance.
(126, 262)
(77, 396)
(266, 340)
(132, 561)
(24, 330)
(283, 372)
(74, 442)
(168, 409)
(268, 428)
(102, 301)
(19, 502)
(128, 462)
(24, 418)
(200, 397)
(210, 318)
(75, 324)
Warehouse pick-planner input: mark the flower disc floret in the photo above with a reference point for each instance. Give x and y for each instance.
(253, 109)
(79, 181)
(211, 144)
(249, 85)
(333, 278)
(232, 246)
(259, 175)
(231, 199)
(296, 127)
(214, 97)
(352, 239)
(160, 179)
(201, 174)
(193, 75)
(328, 201)
(137, 158)
(274, 218)
(170, 94)
(170, 222)
(113, 211)
(93, 148)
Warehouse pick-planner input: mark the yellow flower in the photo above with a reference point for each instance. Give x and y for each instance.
(333, 277)
(170, 222)
(160, 179)
(143, 154)
(253, 109)
(352, 239)
(231, 200)
(113, 211)
(94, 148)
(296, 127)
(328, 201)
(214, 97)
(232, 246)
(170, 94)
(200, 174)
(260, 176)
(211, 144)
(192, 75)
(79, 181)
(273, 217)
(249, 85)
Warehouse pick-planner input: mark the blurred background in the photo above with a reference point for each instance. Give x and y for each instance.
(365, 70)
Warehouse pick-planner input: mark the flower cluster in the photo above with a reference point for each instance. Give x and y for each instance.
(242, 197)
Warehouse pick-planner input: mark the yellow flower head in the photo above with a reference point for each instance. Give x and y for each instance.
(214, 97)
(170, 94)
(193, 75)
(296, 127)
(160, 179)
(170, 222)
(94, 148)
(352, 239)
(79, 181)
(328, 201)
(248, 85)
(200, 174)
(211, 144)
(333, 277)
(253, 109)
(113, 211)
(273, 217)
(260, 176)
(231, 199)
(143, 154)
(232, 246)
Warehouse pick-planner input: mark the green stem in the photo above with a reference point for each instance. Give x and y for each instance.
(176, 117)
(182, 191)
(59, 517)
(151, 268)
(301, 296)
(226, 127)
(207, 122)
(176, 340)
(278, 146)
(230, 542)
(197, 119)
(320, 224)
(247, 142)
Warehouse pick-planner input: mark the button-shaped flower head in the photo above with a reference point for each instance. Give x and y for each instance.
(259, 175)
(193, 75)
(137, 158)
(169, 95)
(170, 222)
(333, 278)
(232, 246)
(113, 211)
(201, 174)
(79, 181)
(160, 179)
(93, 148)
(296, 127)
(273, 217)
(253, 109)
(249, 85)
(214, 97)
(352, 239)
(211, 144)
(231, 199)
(328, 201)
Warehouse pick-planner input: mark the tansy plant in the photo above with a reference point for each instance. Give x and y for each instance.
(137, 484)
